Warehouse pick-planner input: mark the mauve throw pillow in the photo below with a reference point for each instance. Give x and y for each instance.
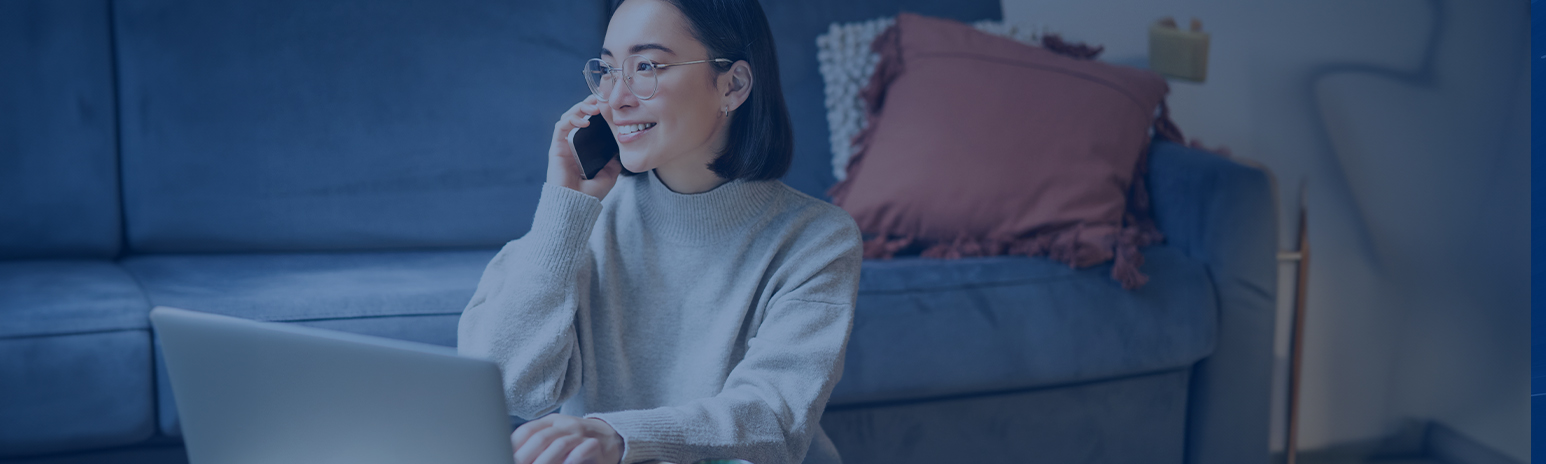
(980, 145)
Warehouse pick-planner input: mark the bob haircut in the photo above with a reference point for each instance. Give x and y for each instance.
(761, 142)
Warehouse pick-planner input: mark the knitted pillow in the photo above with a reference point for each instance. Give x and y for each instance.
(846, 64)
(979, 145)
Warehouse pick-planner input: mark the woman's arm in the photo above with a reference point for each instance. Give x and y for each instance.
(774, 397)
(522, 314)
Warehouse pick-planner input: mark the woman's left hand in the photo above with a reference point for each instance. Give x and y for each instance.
(561, 439)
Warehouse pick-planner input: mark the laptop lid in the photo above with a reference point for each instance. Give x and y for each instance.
(263, 392)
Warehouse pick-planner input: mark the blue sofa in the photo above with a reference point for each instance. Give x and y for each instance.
(354, 164)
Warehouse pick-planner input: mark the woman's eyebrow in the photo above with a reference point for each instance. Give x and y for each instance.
(650, 46)
(641, 47)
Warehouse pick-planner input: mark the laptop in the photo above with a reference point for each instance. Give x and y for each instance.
(263, 392)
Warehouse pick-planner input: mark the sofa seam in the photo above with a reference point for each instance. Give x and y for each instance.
(123, 213)
(1002, 283)
(67, 334)
(1187, 368)
(362, 316)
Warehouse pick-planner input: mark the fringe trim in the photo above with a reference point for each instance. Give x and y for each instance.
(888, 46)
(1164, 128)
(1075, 50)
(1071, 246)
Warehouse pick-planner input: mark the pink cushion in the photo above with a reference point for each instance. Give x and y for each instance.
(980, 145)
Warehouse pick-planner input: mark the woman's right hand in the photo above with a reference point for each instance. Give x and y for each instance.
(563, 168)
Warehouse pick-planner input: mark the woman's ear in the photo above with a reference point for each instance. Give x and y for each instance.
(740, 85)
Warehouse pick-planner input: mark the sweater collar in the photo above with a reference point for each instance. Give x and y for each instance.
(702, 217)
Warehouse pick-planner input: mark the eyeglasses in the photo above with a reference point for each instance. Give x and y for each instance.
(638, 75)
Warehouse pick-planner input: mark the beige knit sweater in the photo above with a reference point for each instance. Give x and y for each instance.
(709, 325)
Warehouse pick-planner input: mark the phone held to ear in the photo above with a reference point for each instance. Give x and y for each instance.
(594, 146)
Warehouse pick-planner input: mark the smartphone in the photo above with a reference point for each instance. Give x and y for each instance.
(594, 146)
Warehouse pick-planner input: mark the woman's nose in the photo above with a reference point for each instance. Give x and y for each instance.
(622, 96)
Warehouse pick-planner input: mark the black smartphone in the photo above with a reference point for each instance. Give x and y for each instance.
(594, 146)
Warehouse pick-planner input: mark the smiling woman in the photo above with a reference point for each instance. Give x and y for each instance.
(697, 310)
(751, 137)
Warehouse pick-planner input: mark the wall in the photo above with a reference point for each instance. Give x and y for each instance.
(1404, 125)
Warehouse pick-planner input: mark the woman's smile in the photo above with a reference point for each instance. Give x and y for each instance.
(632, 132)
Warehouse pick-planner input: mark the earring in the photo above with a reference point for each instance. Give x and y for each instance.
(725, 111)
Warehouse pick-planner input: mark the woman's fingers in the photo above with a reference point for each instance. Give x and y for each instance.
(551, 440)
(587, 452)
(564, 125)
(575, 117)
(525, 431)
(587, 107)
(534, 447)
(563, 169)
(558, 449)
(612, 169)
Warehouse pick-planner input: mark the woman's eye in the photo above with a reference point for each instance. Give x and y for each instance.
(646, 67)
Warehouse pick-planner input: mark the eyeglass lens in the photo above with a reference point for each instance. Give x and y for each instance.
(637, 72)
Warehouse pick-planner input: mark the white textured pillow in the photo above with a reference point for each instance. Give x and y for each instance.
(847, 64)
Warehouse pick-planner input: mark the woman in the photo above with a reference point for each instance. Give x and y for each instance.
(699, 309)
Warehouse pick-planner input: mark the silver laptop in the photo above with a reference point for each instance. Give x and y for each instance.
(262, 392)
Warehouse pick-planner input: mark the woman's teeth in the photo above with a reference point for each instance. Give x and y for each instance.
(631, 128)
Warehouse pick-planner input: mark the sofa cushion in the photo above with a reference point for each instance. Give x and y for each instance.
(795, 26)
(928, 328)
(75, 365)
(61, 297)
(1138, 419)
(410, 295)
(58, 165)
(296, 125)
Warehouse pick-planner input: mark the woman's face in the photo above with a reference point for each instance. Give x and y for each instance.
(683, 117)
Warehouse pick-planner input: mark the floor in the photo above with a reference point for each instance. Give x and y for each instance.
(1357, 460)
(1352, 456)
(138, 455)
(175, 455)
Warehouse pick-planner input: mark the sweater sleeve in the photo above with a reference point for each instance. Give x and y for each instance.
(522, 314)
(773, 398)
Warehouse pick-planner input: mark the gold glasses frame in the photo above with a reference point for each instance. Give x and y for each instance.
(597, 69)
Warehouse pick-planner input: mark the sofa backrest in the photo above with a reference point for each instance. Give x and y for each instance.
(795, 24)
(58, 161)
(296, 125)
(287, 125)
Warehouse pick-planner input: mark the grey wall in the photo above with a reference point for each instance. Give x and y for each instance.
(1407, 124)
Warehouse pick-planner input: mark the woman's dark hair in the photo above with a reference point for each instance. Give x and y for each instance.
(761, 142)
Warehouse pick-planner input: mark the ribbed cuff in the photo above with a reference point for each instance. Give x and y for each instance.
(648, 434)
(561, 228)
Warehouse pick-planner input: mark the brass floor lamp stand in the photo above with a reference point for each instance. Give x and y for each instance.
(1296, 347)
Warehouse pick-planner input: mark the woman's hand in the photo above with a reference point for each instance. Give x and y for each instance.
(561, 439)
(563, 168)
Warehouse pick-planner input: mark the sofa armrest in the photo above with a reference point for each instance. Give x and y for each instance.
(1223, 213)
